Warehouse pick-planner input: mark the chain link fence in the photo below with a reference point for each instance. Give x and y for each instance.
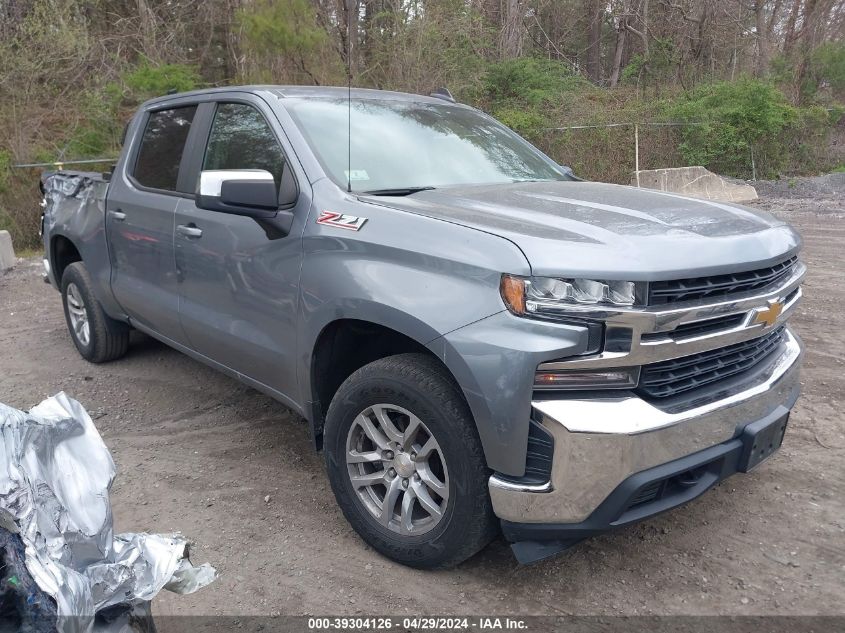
(615, 152)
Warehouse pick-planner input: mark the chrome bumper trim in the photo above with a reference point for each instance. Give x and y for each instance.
(630, 414)
(610, 443)
(497, 482)
(624, 344)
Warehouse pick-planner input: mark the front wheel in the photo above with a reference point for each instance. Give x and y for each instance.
(406, 465)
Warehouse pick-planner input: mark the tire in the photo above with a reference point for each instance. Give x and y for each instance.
(407, 387)
(104, 338)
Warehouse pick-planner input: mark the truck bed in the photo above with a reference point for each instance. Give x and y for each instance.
(74, 214)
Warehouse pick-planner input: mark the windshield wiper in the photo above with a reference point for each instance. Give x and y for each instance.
(399, 191)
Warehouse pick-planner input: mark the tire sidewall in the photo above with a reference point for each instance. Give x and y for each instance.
(443, 539)
(72, 276)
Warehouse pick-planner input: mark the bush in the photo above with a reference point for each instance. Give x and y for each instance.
(733, 121)
(527, 123)
(804, 147)
(827, 70)
(149, 80)
(529, 94)
(532, 82)
(98, 130)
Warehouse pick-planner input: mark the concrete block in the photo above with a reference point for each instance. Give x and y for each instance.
(7, 253)
(695, 181)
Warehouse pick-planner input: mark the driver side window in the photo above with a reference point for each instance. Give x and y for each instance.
(240, 138)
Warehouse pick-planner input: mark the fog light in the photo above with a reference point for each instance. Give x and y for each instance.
(619, 378)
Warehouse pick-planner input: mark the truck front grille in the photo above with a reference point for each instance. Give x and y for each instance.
(669, 378)
(716, 286)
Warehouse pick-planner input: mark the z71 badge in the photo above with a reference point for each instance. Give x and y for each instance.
(341, 220)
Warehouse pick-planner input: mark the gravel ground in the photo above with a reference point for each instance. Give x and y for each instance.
(200, 453)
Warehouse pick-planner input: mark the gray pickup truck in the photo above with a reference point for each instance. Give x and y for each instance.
(480, 342)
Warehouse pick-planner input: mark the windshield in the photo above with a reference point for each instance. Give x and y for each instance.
(405, 145)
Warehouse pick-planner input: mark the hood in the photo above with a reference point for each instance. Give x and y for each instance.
(589, 229)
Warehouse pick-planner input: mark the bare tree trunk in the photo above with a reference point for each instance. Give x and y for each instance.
(618, 53)
(761, 26)
(148, 28)
(594, 20)
(790, 33)
(512, 30)
(642, 34)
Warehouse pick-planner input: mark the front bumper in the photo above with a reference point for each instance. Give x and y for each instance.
(604, 446)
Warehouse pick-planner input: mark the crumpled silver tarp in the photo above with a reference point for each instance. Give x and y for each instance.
(55, 476)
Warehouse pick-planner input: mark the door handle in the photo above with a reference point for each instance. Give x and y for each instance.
(117, 215)
(189, 231)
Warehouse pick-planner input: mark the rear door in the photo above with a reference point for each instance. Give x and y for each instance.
(140, 212)
(239, 277)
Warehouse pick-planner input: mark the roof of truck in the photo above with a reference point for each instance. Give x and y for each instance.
(324, 92)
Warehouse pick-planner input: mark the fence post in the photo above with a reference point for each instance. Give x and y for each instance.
(637, 152)
(753, 166)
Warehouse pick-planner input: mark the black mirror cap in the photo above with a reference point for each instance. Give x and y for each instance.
(256, 194)
(250, 198)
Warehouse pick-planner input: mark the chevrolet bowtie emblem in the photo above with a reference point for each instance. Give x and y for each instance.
(769, 316)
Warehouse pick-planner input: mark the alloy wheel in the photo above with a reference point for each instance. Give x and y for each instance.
(78, 314)
(397, 469)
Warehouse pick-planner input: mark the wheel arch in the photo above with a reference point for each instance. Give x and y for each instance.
(346, 344)
(63, 253)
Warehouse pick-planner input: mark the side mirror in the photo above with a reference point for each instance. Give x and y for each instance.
(567, 170)
(249, 192)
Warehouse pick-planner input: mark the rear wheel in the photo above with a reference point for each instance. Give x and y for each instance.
(97, 336)
(406, 464)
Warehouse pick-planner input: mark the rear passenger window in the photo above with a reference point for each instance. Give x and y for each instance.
(162, 146)
(241, 139)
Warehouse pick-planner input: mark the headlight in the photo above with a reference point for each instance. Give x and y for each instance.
(549, 296)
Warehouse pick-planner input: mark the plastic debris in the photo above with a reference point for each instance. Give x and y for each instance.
(55, 476)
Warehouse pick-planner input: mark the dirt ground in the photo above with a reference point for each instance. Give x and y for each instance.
(200, 453)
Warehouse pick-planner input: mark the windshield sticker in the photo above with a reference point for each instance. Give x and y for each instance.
(356, 174)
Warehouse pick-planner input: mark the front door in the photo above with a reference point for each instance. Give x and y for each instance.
(140, 214)
(239, 278)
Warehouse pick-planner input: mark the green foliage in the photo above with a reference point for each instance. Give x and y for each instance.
(7, 223)
(660, 62)
(732, 120)
(635, 68)
(532, 82)
(827, 68)
(528, 123)
(149, 80)
(5, 169)
(281, 27)
(528, 94)
(98, 130)
(101, 109)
